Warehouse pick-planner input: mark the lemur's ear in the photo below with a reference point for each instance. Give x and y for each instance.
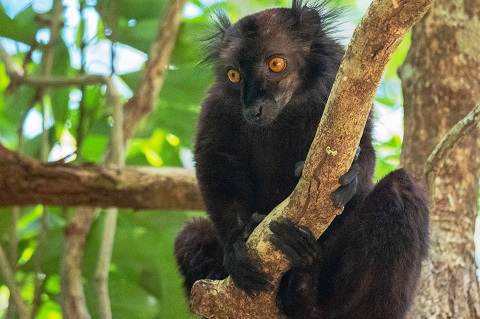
(307, 20)
(310, 18)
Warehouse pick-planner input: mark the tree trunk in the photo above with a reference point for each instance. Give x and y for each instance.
(441, 83)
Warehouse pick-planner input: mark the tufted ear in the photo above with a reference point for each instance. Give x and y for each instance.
(306, 19)
(310, 19)
(221, 21)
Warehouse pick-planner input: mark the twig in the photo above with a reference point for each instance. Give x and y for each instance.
(11, 311)
(118, 160)
(117, 146)
(13, 70)
(12, 286)
(464, 127)
(17, 75)
(39, 258)
(103, 266)
(13, 240)
(56, 24)
(145, 97)
(37, 301)
(82, 106)
(42, 237)
(56, 81)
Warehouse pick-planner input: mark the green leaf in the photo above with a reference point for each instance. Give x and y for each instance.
(60, 98)
(179, 103)
(61, 65)
(188, 50)
(153, 158)
(131, 79)
(388, 156)
(94, 147)
(5, 225)
(22, 28)
(140, 36)
(49, 310)
(141, 305)
(17, 104)
(163, 227)
(142, 9)
(32, 147)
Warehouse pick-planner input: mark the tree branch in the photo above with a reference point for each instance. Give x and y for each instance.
(13, 70)
(118, 160)
(56, 23)
(12, 286)
(13, 243)
(26, 182)
(103, 265)
(18, 76)
(14, 238)
(146, 95)
(467, 125)
(74, 305)
(374, 41)
(56, 81)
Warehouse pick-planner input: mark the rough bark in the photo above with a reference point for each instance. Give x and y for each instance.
(331, 154)
(441, 81)
(30, 182)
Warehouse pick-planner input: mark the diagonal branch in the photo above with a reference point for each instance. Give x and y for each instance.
(467, 125)
(374, 41)
(146, 95)
(14, 71)
(12, 285)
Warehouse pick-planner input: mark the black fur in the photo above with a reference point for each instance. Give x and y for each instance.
(367, 263)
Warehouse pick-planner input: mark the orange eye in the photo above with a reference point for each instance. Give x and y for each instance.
(234, 76)
(277, 64)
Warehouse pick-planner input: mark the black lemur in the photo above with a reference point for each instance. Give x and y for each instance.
(274, 71)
